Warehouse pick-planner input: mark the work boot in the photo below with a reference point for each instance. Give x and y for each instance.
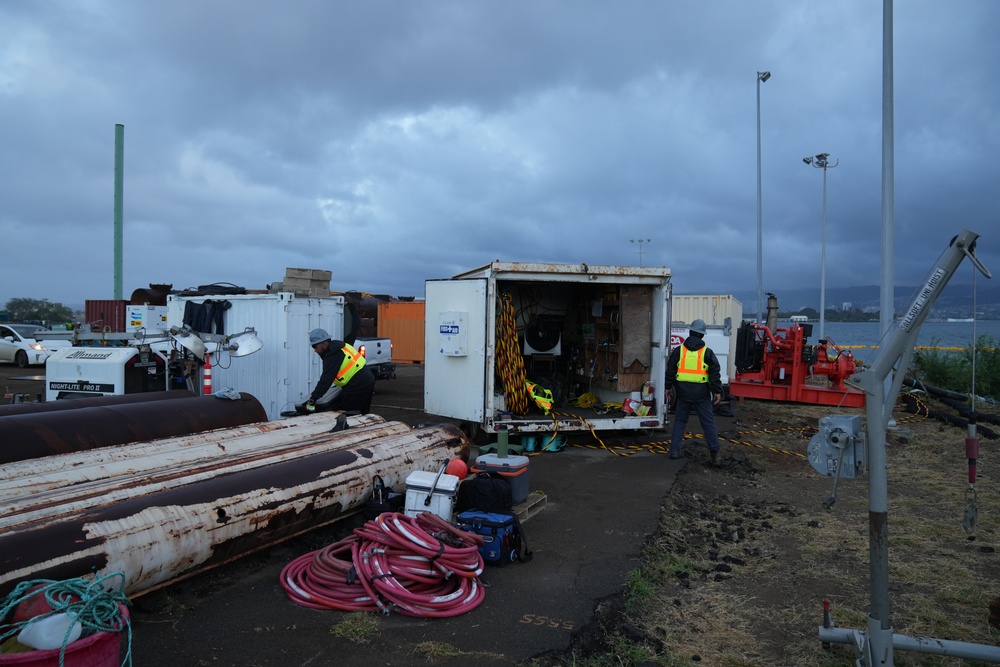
(676, 455)
(715, 460)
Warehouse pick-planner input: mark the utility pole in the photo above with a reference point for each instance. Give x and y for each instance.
(822, 161)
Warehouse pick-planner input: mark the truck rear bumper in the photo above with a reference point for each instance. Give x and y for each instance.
(386, 371)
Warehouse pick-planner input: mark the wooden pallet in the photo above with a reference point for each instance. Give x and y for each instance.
(532, 505)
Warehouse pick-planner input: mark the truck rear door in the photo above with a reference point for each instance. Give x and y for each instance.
(455, 348)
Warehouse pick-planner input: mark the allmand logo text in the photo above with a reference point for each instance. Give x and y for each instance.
(82, 354)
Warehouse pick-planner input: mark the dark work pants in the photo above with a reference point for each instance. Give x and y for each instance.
(706, 415)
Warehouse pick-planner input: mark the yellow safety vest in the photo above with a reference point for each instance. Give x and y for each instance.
(541, 396)
(353, 362)
(691, 366)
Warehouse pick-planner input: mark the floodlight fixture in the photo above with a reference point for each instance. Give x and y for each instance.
(243, 343)
(763, 76)
(189, 340)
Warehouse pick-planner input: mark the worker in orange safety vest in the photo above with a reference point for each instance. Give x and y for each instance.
(694, 379)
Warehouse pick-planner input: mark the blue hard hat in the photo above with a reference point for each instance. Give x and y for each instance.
(698, 326)
(317, 336)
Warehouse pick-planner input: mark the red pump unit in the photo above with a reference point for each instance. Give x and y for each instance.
(774, 365)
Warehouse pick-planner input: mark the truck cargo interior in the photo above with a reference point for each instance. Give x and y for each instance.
(579, 338)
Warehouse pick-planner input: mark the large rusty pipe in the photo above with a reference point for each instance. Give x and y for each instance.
(24, 478)
(158, 473)
(31, 436)
(199, 465)
(92, 402)
(156, 533)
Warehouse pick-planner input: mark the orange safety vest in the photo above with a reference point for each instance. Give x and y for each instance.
(353, 362)
(691, 366)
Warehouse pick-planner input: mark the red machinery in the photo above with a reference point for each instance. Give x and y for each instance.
(775, 366)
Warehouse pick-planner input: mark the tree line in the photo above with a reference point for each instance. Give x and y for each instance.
(37, 310)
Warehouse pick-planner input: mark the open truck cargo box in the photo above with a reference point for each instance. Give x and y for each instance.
(580, 329)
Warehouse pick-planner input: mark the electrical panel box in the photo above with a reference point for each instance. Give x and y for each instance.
(150, 318)
(454, 336)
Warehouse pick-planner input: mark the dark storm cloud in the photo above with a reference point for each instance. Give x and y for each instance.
(438, 136)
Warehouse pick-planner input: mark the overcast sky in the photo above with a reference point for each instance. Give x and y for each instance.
(392, 142)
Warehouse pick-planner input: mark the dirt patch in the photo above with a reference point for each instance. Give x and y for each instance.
(747, 553)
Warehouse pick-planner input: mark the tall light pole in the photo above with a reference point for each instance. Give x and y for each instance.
(822, 161)
(640, 242)
(761, 78)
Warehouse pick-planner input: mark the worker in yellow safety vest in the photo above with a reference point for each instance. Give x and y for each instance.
(345, 383)
(694, 380)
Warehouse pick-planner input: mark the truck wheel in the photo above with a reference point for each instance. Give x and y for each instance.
(21, 358)
(477, 434)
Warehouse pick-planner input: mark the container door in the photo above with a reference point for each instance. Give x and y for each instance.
(455, 349)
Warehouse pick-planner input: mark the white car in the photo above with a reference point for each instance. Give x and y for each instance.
(18, 344)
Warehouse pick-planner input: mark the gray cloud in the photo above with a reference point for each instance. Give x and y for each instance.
(394, 142)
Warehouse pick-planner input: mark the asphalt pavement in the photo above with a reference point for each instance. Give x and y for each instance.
(593, 511)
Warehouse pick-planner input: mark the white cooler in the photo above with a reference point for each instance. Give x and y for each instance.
(420, 498)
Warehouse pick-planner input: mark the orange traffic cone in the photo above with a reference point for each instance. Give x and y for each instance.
(206, 376)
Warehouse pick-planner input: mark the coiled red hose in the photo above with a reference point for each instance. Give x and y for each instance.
(422, 566)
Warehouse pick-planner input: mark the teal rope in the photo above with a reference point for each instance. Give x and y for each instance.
(94, 603)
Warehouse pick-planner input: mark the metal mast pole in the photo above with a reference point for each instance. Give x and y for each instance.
(822, 270)
(879, 624)
(761, 77)
(822, 161)
(119, 178)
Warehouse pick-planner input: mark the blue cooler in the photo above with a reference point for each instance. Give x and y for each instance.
(512, 468)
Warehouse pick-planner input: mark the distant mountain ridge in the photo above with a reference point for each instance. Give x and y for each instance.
(955, 301)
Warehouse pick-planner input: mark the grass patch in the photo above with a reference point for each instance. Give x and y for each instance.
(358, 627)
(743, 560)
(952, 370)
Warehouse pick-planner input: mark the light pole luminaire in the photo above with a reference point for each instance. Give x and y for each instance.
(640, 242)
(761, 78)
(822, 161)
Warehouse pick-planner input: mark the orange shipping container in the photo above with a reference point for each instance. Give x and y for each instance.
(402, 322)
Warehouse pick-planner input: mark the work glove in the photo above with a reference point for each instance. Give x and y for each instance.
(310, 406)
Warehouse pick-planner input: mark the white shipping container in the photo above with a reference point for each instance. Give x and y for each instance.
(579, 329)
(715, 309)
(285, 370)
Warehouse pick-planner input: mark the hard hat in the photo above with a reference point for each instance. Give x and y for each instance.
(317, 336)
(698, 326)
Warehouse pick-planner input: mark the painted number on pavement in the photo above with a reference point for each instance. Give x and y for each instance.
(547, 621)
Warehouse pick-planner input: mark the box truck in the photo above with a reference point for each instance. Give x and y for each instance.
(597, 337)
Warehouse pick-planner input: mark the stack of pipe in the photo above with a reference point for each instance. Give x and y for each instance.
(160, 511)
